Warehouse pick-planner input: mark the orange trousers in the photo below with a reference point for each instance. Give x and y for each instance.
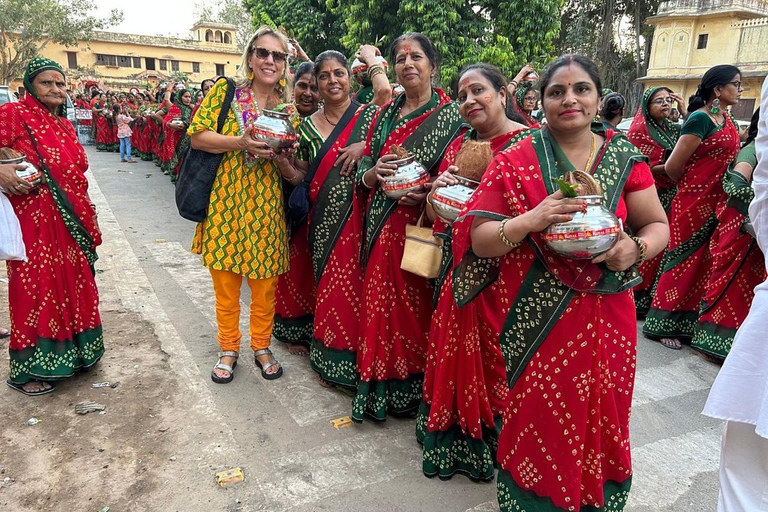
(226, 287)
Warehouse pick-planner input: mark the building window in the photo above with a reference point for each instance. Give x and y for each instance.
(195, 67)
(72, 60)
(123, 61)
(149, 62)
(702, 44)
(217, 36)
(220, 70)
(106, 60)
(174, 65)
(227, 38)
(209, 36)
(137, 62)
(163, 65)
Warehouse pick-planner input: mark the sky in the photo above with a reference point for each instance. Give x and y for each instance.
(151, 17)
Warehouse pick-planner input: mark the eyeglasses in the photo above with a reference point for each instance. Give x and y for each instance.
(661, 101)
(263, 53)
(737, 83)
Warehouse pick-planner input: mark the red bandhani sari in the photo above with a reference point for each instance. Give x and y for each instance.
(103, 130)
(175, 142)
(55, 322)
(335, 240)
(396, 305)
(465, 386)
(687, 261)
(568, 341)
(737, 268)
(653, 140)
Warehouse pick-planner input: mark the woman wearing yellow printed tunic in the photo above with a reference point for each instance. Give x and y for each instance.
(244, 234)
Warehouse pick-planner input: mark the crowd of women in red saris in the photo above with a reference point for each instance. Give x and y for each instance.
(158, 121)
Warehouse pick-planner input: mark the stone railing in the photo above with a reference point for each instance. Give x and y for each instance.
(755, 7)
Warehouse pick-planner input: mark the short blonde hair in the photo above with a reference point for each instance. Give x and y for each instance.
(283, 87)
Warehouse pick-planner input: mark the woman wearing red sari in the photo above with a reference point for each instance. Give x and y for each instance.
(53, 298)
(465, 386)
(569, 335)
(176, 139)
(737, 262)
(655, 136)
(295, 294)
(396, 305)
(103, 129)
(708, 144)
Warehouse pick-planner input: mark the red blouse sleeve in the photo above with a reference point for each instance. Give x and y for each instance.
(640, 178)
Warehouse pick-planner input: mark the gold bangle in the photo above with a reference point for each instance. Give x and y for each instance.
(503, 236)
(642, 249)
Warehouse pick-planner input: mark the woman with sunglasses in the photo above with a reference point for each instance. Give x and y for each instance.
(655, 136)
(244, 234)
(525, 103)
(708, 143)
(295, 295)
(737, 262)
(396, 305)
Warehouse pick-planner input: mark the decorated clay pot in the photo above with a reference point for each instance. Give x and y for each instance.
(30, 174)
(588, 234)
(448, 201)
(360, 68)
(410, 176)
(275, 129)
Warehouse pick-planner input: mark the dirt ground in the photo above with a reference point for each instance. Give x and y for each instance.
(149, 447)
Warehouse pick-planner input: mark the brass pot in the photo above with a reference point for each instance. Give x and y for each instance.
(30, 174)
(275, 129)
(410, 176)
(588, 234)
(448, 201)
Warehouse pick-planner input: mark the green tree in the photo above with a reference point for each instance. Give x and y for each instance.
(28, 26)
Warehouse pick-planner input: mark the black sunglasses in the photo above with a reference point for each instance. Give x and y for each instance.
(263, 53)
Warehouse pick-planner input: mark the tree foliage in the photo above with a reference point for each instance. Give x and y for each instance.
(28, 26)
(619, 43)
(505, 33)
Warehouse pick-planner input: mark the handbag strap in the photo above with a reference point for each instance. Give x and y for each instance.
(340, 125)
(227, 103)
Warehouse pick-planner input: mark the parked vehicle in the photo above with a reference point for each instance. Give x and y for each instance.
(7, 95)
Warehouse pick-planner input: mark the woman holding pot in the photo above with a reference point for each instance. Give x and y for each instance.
(244, 234)
(708, 143)
(655, 136)
(396, 305)
(331, 144)
(569, 335)
(53, 298)
(465, 388)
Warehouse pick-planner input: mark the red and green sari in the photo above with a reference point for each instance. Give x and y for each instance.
(104, 140)
(176, 142)
(737, 268)
(55, 322)
(687, 261)
(653, 139)
(465, 387)
(335, 241)
(396, 305)
(568, 339)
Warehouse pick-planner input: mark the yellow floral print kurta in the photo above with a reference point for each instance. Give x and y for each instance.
(245, 229)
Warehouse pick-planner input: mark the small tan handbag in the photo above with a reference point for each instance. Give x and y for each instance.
(423, 252)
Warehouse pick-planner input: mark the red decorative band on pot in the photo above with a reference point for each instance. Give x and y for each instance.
(255, 132)
(402, 186)
(581, 235)
(448, 202)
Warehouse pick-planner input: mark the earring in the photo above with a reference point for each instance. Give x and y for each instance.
(282, 82)
(715, 108)
(250, 75)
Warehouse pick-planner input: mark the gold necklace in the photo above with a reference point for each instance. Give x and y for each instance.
(591, 153)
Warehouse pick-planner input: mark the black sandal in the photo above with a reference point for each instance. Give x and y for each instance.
(266, 366)
(221, 366)
(20, 388)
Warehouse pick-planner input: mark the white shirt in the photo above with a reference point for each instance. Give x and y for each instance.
(740, 392)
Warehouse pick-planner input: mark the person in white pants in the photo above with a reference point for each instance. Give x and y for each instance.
(740, 392)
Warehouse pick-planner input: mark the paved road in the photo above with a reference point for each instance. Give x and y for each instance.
(294, 458)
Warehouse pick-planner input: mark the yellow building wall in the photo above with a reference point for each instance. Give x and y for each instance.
(206, 55)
